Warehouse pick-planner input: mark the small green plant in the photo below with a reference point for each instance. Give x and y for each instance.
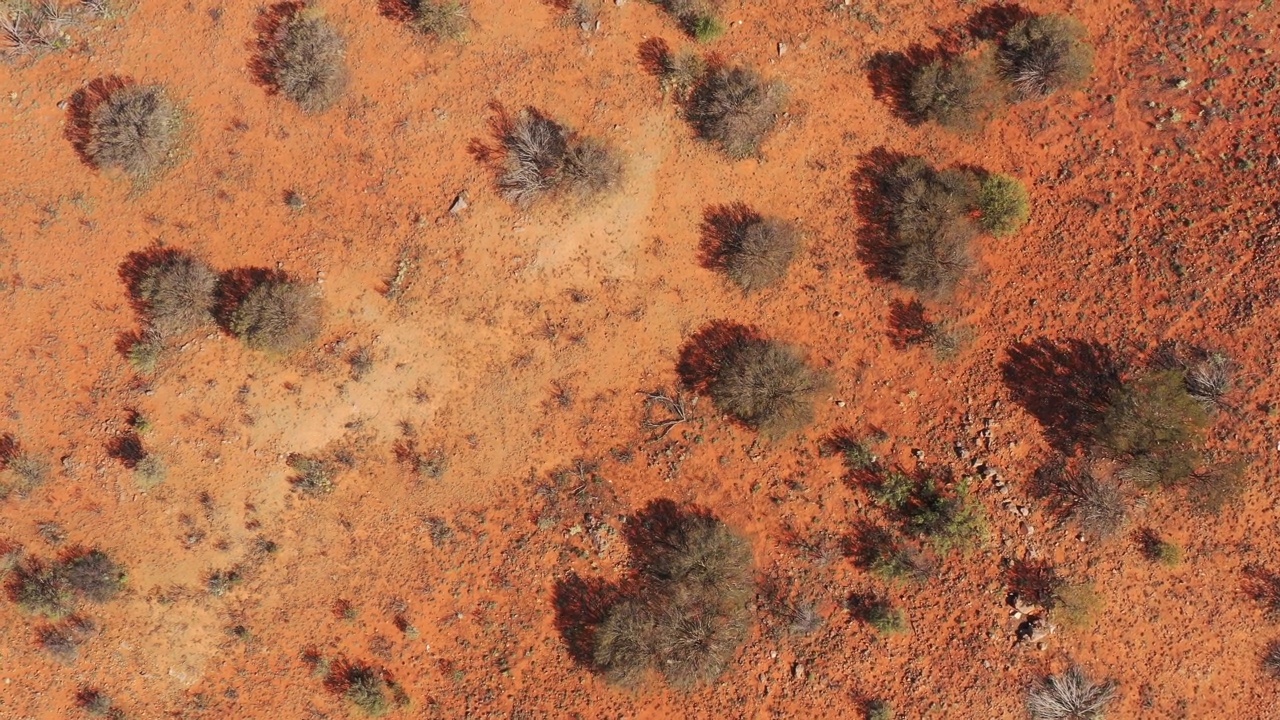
(886, 619)
(957, 93)
(137, 129)
(150, 471)
(1168, 554)
(736, 109)
(879, 710)
(1156, 427)
(145, 352)
(278, 316)
(1077, 606)
(704, 28)
(1044, 54)
(30, 30)
(307, 62)
(768, 386)
(444, 19)
(366, 689)
(1004, 204)
(97, 703)
(895, 564)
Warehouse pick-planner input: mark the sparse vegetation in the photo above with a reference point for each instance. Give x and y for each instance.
(735, 109)
(307, 61)
(879, 710)
(136, 128)
(150, 471)
(768, 386)
(885, 618)
(690, 615)
(176, 292)
(1004, 205)
(97, 703)
(957, 93)
(1218, 485)
(30, 29)
(23, 472)
(1156, 427)
(681, 73)
(145, 351)
(1077, 606)
(278, 316)
(543, 158)
(367, 690)
(1271, 660)
(1044, 54)
(315, 476)
(1070, 696)
(444, 19)
(41, 590)
(93, 575)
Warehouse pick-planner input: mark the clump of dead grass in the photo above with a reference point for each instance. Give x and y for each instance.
(736, 109)
(307, 61)
(544, 159)
(137, 129)
(768, 386)
(279, 316)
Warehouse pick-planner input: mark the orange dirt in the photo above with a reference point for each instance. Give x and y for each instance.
(1144, 228)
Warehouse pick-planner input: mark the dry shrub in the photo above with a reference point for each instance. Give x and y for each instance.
(931, 224)
(1004, 204)
(690, 613)
(754, 251)
(137, 129)
(1218, 485)
(278, 316)
(1077, 606)
(957, 93)
(445, 19)
(1070, 696)
(1271, 660)
(1100, 507)
(736, 109)
(1046, 53)
(307, 61)
(93, 575)
(27, 470)
(176, 292)
(768, 386)
(543, 158)
(1156, 427)
(41, 590)
(680, 74)
(31, 29)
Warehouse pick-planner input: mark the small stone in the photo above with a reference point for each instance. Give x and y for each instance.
(1028, 528)
(459, 203)
(799, 671)
(782, 49)
(839, 403)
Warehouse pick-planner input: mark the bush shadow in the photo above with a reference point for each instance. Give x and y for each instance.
(581, 604)
(872, 196)
(655, 55)
(1066, 385)
(267, 29)
(702, 356)
(908, 325)
(398, 10)
(722, 229)
(234, 285)
(993, 21)
(80, 108)
(127, 449)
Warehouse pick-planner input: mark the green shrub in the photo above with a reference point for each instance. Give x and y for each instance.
(145, 352)
(137, 129)
(1044, 54)
(735, 109)
(704, 28)
(696, 17)
(948, 519)
(1099, 507)
(278, 316)
(1004, 204)
(367, 690)
(307, 62)
(445, 19)
(957, 93)
(768, 386)
(1156, 427)
(879, 710)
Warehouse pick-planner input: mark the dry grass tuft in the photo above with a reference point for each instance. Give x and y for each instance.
(957, 93)
(544, 159)
(137, 129)
(768, 386)
(278, 316)
(1044, 54)
(307, 62)
(736, 109)
(1070, 696)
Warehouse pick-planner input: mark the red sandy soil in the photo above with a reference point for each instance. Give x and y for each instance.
(1143, 229)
